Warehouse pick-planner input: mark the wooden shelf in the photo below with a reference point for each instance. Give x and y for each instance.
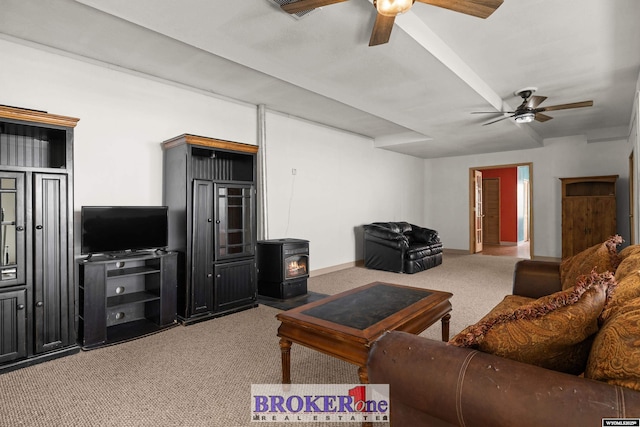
(132, 330)
(132, 298)
(132, 271)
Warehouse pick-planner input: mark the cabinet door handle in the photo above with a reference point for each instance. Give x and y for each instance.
(209, 220)
(19, 228)
(209, 275)
(39, 304)
(38, 227)
(20, 306)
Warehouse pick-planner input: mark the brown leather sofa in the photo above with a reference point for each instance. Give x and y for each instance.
(433, 383)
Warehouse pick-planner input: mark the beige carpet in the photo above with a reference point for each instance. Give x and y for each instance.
(201, 375)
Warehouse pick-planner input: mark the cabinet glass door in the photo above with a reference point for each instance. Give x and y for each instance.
(234, 219)
(12, 234)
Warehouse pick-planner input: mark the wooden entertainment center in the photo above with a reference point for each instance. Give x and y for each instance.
(125, 298)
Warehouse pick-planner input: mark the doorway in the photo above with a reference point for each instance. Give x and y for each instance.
(500, 210)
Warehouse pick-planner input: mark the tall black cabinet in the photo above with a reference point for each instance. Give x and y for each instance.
(37, 290)
(209, 186)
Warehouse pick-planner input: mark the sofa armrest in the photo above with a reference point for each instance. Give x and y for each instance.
(424, 235)
(435, 383)
(385, 236)
(535, 279)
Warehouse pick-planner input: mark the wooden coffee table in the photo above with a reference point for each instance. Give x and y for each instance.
(346, 324)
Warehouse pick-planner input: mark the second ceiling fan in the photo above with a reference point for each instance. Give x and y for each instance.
(530, 109)
(388, 10)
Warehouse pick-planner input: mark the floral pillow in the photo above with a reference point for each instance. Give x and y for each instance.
(615, 354)
(554, 332)
(601, 257)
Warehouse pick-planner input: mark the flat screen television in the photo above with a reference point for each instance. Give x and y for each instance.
(123, 229)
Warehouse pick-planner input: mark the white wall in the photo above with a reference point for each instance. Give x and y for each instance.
(447, 183)
(341, 183)
(123, 120)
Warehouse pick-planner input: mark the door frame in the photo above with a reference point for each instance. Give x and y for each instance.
(632, 199)
(472, 201)
(475, 219)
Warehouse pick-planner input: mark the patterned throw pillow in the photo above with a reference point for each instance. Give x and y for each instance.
(508, 304)
(601, 257)
(628, 251)
(627, 289)
(627, 266)
(615, 354)
(554, 332)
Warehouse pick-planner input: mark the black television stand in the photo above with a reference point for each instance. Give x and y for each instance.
(123, 298)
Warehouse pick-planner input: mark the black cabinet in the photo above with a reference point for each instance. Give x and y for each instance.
(37, 289)
(209, 187)
(121, 299)
(13, 338)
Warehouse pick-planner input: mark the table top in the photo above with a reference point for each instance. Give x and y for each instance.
(365, 312)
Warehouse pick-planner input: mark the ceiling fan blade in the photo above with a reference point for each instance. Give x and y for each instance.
(479, 8)
(499, 120)
(302, 5)
(534, 101)
(492, 112)
(381, 30)
(542, 117)
(566, 106)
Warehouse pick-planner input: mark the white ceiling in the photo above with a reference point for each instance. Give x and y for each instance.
(413, 95)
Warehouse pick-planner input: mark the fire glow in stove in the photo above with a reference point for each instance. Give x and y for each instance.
(283, 267)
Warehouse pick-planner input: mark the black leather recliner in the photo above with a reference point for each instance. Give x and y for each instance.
(401, 247)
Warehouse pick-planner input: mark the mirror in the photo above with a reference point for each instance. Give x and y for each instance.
(8, 266)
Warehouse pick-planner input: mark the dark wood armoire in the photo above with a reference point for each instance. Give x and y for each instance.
(588, 212)
(209, 186)
(37, 289)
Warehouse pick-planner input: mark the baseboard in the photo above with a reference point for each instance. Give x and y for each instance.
(360, 262)
(334, 268)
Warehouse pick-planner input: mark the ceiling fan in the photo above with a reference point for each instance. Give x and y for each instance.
(529, 110)
(389, 9)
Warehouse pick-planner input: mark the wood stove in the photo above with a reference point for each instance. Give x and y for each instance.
(283, 267)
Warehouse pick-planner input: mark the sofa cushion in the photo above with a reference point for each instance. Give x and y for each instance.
(615, 354)
(553, 332)
(601, 257)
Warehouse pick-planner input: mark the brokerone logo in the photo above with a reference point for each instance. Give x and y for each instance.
(320, 403)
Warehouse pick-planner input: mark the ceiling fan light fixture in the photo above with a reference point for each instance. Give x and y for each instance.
(525, 118)
(393, 7)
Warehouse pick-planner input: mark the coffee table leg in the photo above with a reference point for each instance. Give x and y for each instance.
(285, 350)
(445, 327)
(363, 374)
